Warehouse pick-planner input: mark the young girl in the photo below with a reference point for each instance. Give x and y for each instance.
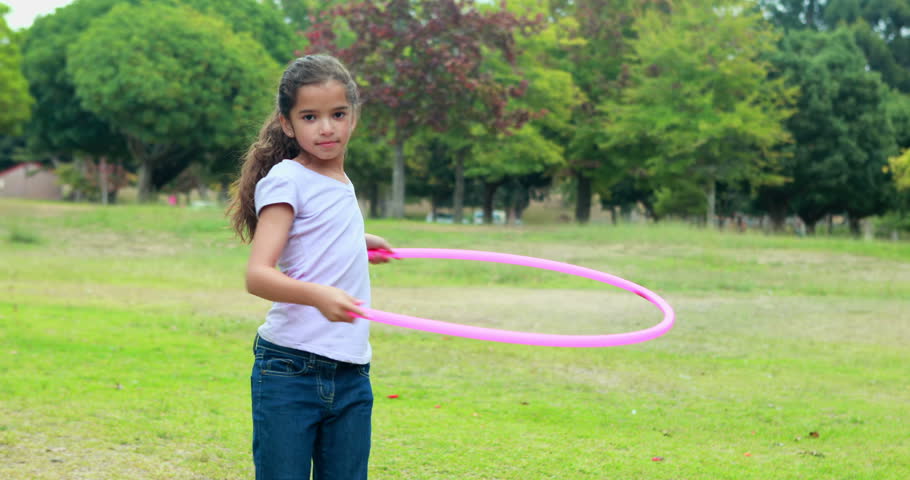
(311, 393)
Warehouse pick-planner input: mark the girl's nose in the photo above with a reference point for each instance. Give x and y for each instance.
(325, 127)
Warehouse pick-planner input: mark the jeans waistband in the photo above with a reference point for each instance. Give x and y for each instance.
(260, 342)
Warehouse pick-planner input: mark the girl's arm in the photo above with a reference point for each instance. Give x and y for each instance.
(263, 280)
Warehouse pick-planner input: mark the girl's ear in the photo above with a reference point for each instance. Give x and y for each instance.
(286, 126)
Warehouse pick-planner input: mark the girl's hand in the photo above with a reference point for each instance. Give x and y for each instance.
(336, 305)
(375, 242)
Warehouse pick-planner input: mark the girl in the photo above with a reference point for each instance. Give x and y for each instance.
(311, 393)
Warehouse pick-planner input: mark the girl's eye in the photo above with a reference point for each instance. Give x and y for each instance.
(339, 115)
(309, 117)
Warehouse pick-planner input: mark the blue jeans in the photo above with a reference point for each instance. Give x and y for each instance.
(309, 409)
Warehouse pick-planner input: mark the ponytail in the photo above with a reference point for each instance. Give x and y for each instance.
(271, 147)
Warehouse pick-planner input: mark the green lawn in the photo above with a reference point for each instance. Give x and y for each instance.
(125, 337)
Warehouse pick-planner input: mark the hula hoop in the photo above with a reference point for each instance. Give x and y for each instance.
(523, 338)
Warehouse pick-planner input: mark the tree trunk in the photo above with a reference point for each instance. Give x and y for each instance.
(458, 200)
(373, 195)
(489, 193)
(583, 198)
(102, 179)
(79, 165)
(855, 226)
(140, 154)
(778, 220)
(711, 215)
(144, 183)
(810, 228)
(224, 195)
(396, 210)
(519, 211)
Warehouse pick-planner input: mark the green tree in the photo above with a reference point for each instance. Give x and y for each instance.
(843, 135)
(15, 101)
(172, 81)
(900, 168)
(700, 104)
(61, 126)
(593, 42)
(527, 156)
(880, 28)
(795, 14)
(498, 159)
(303, 14)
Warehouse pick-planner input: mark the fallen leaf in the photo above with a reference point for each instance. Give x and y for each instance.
(657, 459)
(747, 454)
(813, 434)
(393, 396)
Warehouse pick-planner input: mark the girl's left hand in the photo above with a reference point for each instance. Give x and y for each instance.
(377, 242)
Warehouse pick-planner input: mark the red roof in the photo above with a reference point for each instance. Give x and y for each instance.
(17, 167)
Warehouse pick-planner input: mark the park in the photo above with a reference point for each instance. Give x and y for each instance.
(127, 336)
(749, 162)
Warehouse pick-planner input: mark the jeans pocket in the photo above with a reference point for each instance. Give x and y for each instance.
(277, 366)
(364, 370)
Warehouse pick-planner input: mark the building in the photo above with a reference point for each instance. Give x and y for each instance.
(30, 180)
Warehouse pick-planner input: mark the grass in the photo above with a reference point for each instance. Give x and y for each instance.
(125, 339)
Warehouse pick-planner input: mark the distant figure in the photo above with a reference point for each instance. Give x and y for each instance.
(311, 395)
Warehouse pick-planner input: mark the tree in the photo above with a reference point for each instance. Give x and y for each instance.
(897, 106)
(303, 14)
(879, 26)
(15, 101)
(842, 133)
(60, 126)
(593, 44)
(419, 66)
(700, 103)
(172, 81)
(900, 166)
(524, 159)
(795, 14)
(367, 164)
(499, 159)
(881, 30)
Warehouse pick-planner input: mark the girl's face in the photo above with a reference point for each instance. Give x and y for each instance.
(321, 121)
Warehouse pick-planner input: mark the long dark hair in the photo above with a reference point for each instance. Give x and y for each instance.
(273, 145)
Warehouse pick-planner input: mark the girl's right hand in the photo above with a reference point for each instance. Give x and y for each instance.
(336, 305)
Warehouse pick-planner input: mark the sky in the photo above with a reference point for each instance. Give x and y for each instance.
(24, 11)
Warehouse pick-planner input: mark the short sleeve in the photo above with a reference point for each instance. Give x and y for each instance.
(273, 189)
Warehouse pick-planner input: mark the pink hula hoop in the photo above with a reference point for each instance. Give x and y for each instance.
(524, 338)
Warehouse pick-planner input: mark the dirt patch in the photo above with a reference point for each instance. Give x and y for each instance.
(569, 312)
(57, 454)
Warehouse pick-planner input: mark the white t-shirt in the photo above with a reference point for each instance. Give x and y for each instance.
(326, 245)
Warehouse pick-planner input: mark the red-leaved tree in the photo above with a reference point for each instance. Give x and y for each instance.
(421, 64)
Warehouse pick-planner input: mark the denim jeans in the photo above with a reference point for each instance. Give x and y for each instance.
(309, 409)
